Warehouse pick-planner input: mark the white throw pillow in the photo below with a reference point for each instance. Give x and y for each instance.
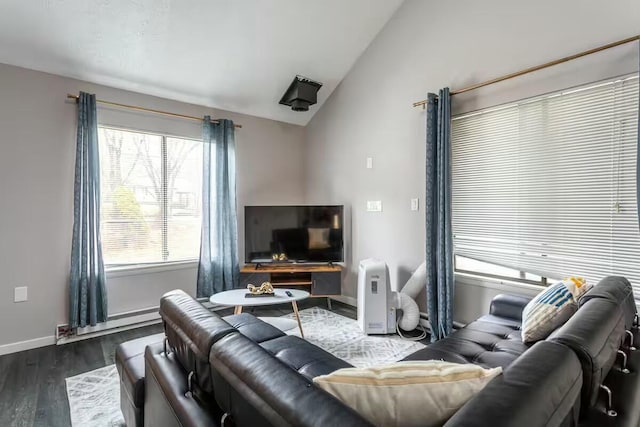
(412, 393)
(551, 308)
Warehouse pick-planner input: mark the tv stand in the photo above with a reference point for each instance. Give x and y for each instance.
(319, 280)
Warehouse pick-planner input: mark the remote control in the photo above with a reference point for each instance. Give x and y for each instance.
(288, 293)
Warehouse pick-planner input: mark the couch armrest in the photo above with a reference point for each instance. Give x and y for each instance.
(509, 306)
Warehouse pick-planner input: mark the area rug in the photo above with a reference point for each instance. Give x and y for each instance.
(94, 397)
(343, 338)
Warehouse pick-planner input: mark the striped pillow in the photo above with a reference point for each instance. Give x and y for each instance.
(551, 308)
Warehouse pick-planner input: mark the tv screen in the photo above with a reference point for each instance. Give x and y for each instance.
(294, 234)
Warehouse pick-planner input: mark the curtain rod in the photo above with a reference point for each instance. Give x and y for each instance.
(536, 68)
(149, 110)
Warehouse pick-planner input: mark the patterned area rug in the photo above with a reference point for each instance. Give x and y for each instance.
(343, 338)
(94, 397)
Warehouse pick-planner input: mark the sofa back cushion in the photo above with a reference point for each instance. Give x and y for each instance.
(191, 330)
(595, 334)
(616, 289)
(541, 388)
(257, 389)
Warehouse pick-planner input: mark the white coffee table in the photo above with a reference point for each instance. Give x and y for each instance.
(236, 298)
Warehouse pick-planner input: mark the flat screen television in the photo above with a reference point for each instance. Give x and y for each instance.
(280, 234)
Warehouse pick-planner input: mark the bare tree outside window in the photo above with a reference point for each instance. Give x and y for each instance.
(151, 197)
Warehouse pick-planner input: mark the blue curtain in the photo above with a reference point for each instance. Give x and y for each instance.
(218, 269)
(439, 253)
(87, 291)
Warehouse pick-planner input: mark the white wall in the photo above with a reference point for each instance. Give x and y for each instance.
(428, 45)
(37, 143)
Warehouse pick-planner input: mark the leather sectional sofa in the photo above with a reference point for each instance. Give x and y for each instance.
(208, 371)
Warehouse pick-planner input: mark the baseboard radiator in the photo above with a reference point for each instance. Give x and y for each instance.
(116, 323)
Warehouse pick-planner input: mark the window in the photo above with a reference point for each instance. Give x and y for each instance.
(150, 197)
(546, 187)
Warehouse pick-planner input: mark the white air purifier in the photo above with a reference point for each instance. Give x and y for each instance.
(376, 310)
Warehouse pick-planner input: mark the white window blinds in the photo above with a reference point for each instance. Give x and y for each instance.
(151, 194)
(548, 185)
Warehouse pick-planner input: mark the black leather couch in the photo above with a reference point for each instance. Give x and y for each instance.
(248, 373)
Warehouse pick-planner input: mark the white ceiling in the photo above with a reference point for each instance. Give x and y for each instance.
(237, 55)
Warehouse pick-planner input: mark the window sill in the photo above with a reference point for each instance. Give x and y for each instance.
(138, 269)
(498, 284)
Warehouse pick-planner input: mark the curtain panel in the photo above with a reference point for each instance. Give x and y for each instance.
(439, 237)
(87, 290)
(218, 269)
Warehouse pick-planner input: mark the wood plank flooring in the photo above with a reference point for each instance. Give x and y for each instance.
(32, 383)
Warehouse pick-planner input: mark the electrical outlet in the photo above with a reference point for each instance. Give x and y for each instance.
(20, 294)
(369, 162)
(374, 206)
(414, 204)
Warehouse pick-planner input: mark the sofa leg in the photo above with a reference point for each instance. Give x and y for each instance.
(610, 411)
(623, 368)
(631, 340)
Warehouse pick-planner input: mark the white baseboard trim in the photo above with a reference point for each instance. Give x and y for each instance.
(27, 345)
(352, 301)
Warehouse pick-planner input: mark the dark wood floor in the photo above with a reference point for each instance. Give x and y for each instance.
(32, 383)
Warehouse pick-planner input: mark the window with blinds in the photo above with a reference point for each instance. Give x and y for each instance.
(151, 188)
(546, 187)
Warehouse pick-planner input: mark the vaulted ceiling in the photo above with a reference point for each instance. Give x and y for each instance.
(235, 55)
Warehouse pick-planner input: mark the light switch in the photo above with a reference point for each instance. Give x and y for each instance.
(374, 206)
(414, 204)
(369, 162)
(20, 294)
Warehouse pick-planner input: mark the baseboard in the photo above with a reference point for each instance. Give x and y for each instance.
(27, 345)
(346, 300)
(107, 331)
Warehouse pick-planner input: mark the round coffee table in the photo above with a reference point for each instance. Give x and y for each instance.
(236, 298)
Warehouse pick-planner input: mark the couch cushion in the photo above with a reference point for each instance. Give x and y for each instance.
(594, 333)
(306, 358)
(416, 393)
(130, 365)
(489, 344)
(253, 328)
(541, 388)
(616, 289)
(257, 389)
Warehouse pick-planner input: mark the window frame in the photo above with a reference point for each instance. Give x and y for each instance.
(117, 270)
(543, 282)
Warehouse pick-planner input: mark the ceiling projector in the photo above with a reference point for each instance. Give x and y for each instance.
(302, 93)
